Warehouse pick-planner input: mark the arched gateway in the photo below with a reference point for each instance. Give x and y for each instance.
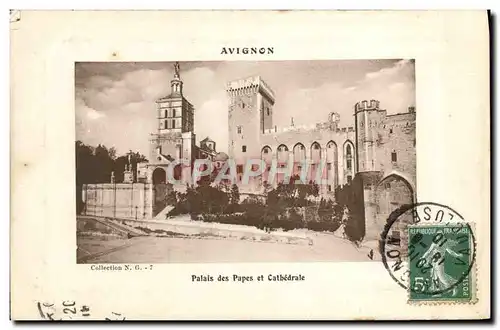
(391, 193)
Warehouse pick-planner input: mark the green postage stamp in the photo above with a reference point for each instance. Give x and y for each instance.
(440, 259)
(429, 250)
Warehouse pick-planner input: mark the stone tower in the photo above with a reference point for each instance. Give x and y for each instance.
(174, 138)
(368, 117)
(250, 115)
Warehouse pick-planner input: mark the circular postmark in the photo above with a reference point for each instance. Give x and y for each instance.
(429, 250)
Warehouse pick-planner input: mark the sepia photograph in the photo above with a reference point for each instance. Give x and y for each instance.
(242, 161)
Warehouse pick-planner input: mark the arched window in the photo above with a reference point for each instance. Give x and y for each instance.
(315, 152)
(266, 155)
(299, 153)
(173, 122)
(349, 155)
(282, 153)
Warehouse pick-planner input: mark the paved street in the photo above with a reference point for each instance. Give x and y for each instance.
(164, 250)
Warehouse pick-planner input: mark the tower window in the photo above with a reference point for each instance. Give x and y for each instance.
(394, 157)
(239, 129)
(244, 148)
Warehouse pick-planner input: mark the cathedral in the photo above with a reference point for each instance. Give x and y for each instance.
(377, 156)
(174, 139)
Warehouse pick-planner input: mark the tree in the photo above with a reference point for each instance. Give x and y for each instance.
(352, 229)
(235, 195)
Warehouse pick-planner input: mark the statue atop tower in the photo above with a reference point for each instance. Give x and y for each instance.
(177, 70)
(176, 82)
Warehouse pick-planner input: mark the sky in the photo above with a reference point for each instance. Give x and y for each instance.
(115, 102)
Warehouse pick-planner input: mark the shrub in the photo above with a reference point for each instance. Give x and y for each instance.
(330, 226)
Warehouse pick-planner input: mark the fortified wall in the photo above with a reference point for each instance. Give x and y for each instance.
(118, 200)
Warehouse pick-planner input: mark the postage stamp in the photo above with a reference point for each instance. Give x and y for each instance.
(440, 261)
(429, 250)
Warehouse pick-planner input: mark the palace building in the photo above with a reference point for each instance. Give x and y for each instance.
(376, 156)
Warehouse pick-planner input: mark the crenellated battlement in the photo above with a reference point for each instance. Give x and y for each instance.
(249, 85)
(367, 105)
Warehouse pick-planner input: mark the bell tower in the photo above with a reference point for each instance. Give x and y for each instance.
(174, 137)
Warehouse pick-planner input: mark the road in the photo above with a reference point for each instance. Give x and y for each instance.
(177, 250)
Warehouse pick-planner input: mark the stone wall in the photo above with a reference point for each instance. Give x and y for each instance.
(121, 200)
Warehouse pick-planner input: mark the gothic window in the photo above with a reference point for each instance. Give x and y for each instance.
(316, 146)
(394, 157)
(349, 157)
(244, 148)
(349, 179)
(266, 151)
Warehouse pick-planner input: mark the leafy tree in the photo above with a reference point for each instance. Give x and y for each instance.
(235, 195)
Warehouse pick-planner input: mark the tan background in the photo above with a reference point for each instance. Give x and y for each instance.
(452, 71)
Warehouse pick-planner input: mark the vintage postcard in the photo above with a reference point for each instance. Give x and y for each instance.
(248, 165)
